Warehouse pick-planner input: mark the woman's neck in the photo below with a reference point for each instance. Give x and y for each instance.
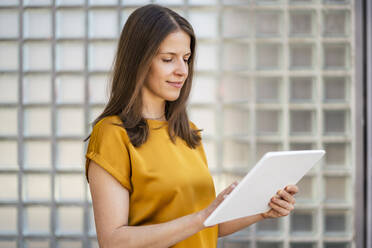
(153, 107)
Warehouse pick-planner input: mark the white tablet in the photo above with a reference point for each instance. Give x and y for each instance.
(274, 171)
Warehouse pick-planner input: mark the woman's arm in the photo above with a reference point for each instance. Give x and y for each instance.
(281, 205)
(111, 207)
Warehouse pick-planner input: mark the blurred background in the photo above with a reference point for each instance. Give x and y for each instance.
(270, 75)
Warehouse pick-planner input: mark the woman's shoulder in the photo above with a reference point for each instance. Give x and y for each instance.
(110, 125)
(193, 125)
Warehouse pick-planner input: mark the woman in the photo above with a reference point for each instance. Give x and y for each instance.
(148, 173)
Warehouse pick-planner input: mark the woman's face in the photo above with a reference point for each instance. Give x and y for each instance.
(169, 68)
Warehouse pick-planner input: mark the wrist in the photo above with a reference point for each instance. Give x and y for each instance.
(263, 216)
(199, 220)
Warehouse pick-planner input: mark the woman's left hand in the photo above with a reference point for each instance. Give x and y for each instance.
(282, 203)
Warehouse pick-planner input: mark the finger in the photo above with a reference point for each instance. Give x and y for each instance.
(280, 210)
(292, 189)
(227, 190)
(282, 203)
(286, 196)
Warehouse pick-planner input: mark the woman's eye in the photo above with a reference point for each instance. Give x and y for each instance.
(167, 60)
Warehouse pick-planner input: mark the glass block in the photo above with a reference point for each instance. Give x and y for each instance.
(337, 245)
(70, 23)
(269, 226)
(231, 243)
(37, 88)
(70, 56)
(301, 23)
(70, 121)
(263, 148)
(335, 56)
(95, 112)
(37, 56)
(37, 243)
(69, 2)
(301, 146)
(302, 245)
(37, 121)
(302, 122)
(301, 56)
(235, 56)
(37, 23)
(230, 2)
(204, 89)
(205, 23)
(98, 89)
(103, 24)
(8, 154)
(10, 183)
(302, 222)
(334, 121)
(70, 154)
(135, 2)
(269, 245)
(268, 56)
(268, 89)
(335, 89)
(37, 2)
(235, 88)
(125, 15)
(306, 189)
(9, 2)
(70, 89)
(8, 223)
(232, 20)
(204, 118)
(8, 127)
(8, 50)
(92, 225)
(36, 187)
(8, 88)
(336, 154)
(94, 243)
(205, 2)
(69, 220)
(211, 153)
(335, 189)
(101, 55)
(267, 122)
(37, 154)
(70, 187)
(235, 154)
(301, 89)
(103, 2)
(206, 58)
(36, 220)
(268, 23)
(69, 244)
(336, 23)
(169, 2)
(9, 25)
(236, 121)
(336, 222)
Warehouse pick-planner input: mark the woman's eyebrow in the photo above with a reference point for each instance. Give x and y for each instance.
(174, 53)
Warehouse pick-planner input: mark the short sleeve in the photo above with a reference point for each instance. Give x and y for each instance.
(108, 147)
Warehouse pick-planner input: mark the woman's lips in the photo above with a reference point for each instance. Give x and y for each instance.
(176, 84)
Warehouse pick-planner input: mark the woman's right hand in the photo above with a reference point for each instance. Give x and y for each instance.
(203, 214)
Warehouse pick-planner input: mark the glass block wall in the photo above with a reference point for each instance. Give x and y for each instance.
(271, 75)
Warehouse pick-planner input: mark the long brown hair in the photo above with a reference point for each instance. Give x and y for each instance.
(139, 42)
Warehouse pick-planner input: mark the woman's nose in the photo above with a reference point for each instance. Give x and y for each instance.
(182, 67)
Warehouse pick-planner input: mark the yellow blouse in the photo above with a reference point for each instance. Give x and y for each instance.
(165, 180)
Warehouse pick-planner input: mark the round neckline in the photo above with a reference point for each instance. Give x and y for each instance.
(152, 121)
